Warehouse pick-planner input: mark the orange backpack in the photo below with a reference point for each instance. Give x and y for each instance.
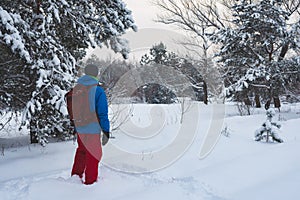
(78, 105)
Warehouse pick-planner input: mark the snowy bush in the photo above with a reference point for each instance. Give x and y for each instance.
(269, 130)
(226, 131)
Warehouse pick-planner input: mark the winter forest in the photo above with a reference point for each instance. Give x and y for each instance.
(213, 114)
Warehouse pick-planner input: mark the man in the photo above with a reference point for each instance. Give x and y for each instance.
(90, 116)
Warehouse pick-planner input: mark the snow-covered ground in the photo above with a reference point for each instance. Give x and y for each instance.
(136, 165)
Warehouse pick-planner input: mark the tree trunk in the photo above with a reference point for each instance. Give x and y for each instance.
(38, 6)
(257, 101)
(277, 102)
(33, 133)
(205, 93)
(247, 101)
(267, 105)
(284, 50)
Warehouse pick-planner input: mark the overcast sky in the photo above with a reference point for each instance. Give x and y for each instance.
(144, 13)
(149, 32)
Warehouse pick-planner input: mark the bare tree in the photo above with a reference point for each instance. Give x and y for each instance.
(199, 19)
(185, 106)
(121, 113)
(292, 6)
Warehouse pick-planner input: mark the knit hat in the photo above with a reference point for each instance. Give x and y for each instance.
(91, 70)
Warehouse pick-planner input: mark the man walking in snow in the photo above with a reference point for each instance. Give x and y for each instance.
(89, 113)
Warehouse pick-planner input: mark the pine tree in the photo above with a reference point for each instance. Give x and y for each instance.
(269, 130)
(253, 51)
(47, 38)
(160, 55)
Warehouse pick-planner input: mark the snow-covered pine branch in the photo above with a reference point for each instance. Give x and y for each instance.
(50, 37)
(269, 130)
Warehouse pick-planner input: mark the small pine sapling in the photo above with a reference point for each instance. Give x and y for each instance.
(226, 131)
(269, 130)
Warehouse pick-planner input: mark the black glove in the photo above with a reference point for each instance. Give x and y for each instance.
(105, 138)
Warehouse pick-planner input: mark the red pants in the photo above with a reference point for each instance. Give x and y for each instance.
(87, 157)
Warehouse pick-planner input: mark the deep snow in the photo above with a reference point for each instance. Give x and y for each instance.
(237, 168)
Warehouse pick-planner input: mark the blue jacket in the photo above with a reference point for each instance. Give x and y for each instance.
(98, 102)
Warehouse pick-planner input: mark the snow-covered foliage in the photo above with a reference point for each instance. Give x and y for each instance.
(269, 130)
(49, 37)
(159, 54)
(258, 52)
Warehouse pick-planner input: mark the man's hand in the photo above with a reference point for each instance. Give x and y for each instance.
(105, 138)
